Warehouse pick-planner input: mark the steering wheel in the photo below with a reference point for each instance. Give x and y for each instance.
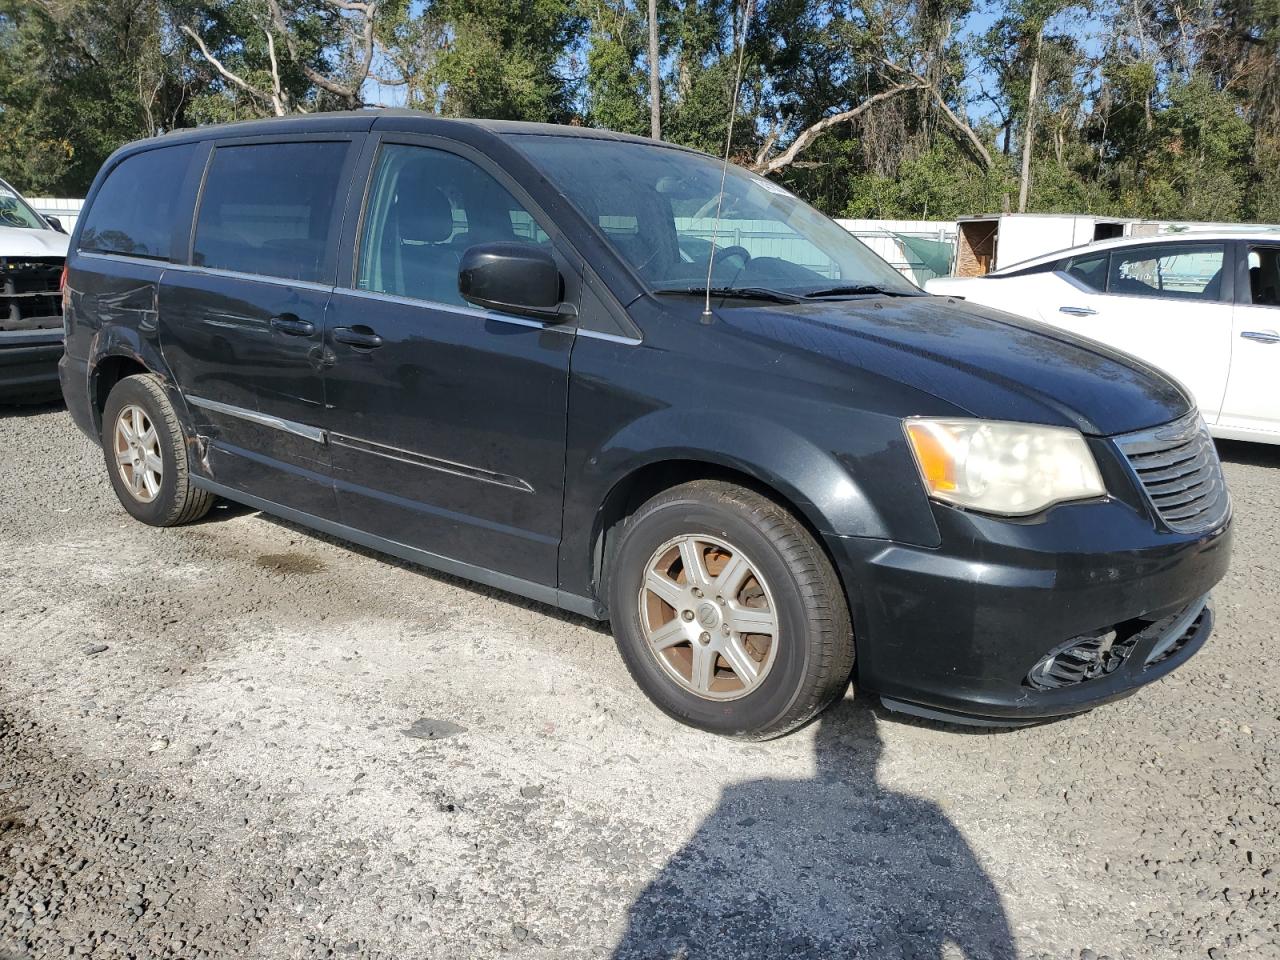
(735, 251)
(9, 215)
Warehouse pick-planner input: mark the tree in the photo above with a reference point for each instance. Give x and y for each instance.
(329, 44)
(80, 77)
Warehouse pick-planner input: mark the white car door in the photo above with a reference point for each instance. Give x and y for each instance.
(1252, 403)
(1162, 303)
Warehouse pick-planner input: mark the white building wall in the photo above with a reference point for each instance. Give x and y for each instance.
(67, 211)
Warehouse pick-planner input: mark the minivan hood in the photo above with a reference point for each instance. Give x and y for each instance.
(24, 242)
(983, 361)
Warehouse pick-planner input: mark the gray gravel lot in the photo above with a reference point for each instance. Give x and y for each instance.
(236, 739)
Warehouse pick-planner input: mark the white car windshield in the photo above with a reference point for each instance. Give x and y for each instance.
(657, 207)
(14, 211)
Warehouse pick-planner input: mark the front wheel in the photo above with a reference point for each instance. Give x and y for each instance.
(146, 455)
(727, 611)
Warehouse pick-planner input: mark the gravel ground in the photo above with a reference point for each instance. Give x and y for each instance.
(239, 740)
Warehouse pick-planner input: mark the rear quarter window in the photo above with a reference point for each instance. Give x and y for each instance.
(133, 212)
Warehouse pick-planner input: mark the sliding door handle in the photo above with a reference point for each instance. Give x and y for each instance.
(293, 326)
(1261, 336)
(357, 336)
(1078, 311)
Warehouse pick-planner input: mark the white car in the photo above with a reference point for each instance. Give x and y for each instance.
(33, 249)
(1204, 307)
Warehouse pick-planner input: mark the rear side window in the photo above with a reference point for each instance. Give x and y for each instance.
(267, 208)
(133, 212)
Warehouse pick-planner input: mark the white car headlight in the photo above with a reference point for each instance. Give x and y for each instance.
(1012, 469)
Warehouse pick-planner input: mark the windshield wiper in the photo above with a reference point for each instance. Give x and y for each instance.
(745, 293)
(861, 289)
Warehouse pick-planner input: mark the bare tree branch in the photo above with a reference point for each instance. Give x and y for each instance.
(238, 81)
(964, 129)
(811, 132)
(278, 99)
(349, 94)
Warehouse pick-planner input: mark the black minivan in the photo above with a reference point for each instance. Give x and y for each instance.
(570, 364)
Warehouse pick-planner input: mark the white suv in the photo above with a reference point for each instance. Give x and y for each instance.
(1204, 307)
(33, 250)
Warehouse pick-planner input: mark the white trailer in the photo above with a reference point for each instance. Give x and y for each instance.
(988, 242)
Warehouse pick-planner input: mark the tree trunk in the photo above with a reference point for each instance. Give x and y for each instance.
(655, 84)
(1029, 129)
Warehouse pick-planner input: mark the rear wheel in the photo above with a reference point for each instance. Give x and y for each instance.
(146, 455)
(727, 612)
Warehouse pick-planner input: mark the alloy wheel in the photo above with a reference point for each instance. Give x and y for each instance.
(137, 450)
(708, 617)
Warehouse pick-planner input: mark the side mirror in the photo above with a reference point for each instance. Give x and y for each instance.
(514, 278)
(55, 223)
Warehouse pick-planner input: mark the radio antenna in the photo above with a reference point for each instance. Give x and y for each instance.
(728, 145)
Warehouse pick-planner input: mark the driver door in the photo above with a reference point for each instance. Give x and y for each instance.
(447, 422)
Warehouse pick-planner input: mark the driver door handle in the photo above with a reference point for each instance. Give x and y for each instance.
(1078, 311)
(357, 336)
(1261, 336)
(292, 325)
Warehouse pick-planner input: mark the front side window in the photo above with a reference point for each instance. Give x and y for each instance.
(268, 208)
(425, 208)
(1264, 276)
(657, 207)
(1089, 270)
(1183, 271)
(133, 212)
(14, 211)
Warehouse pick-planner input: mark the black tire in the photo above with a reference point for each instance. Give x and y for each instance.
(814, 646)
(175, 501)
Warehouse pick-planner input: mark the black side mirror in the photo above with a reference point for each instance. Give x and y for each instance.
(55, 223)
(513, 278)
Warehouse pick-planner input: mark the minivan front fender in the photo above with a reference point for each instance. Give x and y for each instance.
(830, 490)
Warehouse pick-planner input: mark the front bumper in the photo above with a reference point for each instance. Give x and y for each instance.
(29, 364)
(955, 632)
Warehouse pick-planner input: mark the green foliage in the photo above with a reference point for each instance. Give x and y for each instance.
(940, 184)
(74, 88)
(502, 60)
(615, 84)
(1173, 115)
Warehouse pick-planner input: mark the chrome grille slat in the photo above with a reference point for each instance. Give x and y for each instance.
(1153, 476)
(1178, 469)
(1171, 488)
(1191, 493)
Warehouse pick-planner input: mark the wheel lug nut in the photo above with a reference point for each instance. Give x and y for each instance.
(720, 600)
(705, 638)
(697, 593)
(688, 614)
(725, 629)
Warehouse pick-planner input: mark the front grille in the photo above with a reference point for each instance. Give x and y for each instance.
(1102, 653)
(29, 297)
(1178, 468)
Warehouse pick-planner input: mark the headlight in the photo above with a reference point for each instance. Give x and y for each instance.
(1007, 468)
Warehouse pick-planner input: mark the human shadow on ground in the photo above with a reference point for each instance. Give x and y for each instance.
(831, 866)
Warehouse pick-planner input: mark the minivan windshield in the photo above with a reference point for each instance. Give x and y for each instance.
(657, 207)
(14, 211)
